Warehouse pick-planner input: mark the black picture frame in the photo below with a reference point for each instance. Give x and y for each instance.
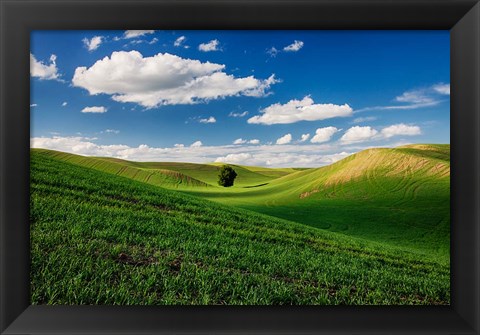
(19, 17)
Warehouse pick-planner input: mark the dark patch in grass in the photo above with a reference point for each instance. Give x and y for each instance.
(256, 185)
(175, 265)
(162, 207)
(129, 260)
(118, 197)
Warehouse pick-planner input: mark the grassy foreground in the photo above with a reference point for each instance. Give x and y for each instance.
(98, 238)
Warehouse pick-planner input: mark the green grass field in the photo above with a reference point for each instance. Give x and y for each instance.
(372, 228)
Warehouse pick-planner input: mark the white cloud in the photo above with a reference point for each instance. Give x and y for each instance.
(93, 43)
(239, 141)
(285, 139)
(358, 134)
(273, 52)
(300, 110)
(64, 103)
(179, 42)
(136, 33)
(94, 109)
(324, 134)
(364, 119)
(442, 88)
(240, 158)
(294, 47)
(275, 159)
(77, 145)
(287, 155)
(112, 131)
(213, 45)
(42, 70)
(400, 129)
(164, 79)
(196, 144)
(304, 137)
(417, 98)
(33, 105)
(211, 119)
(232, 114)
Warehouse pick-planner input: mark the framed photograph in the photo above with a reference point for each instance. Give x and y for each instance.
(240, 167)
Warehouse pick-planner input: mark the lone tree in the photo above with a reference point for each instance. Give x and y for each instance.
(226, 176)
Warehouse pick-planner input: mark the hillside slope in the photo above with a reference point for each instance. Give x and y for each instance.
(172, 175)
(400, 196)
(98, 238)
(158, 177)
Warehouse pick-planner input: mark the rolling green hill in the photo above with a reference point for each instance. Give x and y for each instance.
(101, 238)
(398, 196)
(158, 177)
(170, 174)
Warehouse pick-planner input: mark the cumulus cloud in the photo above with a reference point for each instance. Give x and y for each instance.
(294, 47)
(179, 42)
(232, 114)
(136, 33)
(213, 45)
(43, 70)
(239, 141)
(304, 137)
(358, 134)
(300, 110)
(93, 43)
(64, 104)
(164, 79)
(285, 139)
(94, 109)
(324, 134)
(112, 131)
(442, 88)
(275, 159)
(400, 129)
(211, 119)
(196, 144)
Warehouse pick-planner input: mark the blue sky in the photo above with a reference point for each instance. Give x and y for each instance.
(270, 98)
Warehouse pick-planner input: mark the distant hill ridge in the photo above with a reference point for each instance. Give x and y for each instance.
(419, 160)
(158, 177)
